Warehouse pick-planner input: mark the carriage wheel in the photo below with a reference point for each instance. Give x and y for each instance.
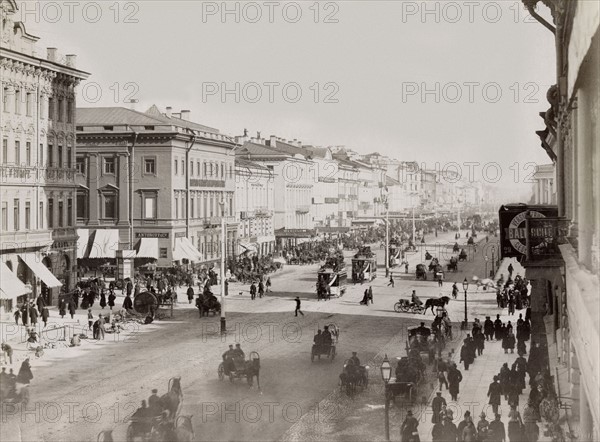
(221, 371)
(397, 307)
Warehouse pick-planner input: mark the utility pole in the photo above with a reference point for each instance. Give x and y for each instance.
(223, 242)
(387, 239)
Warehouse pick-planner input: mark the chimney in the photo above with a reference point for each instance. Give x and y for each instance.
(169, 111)
(71, 60)
(51, 54)
(299, 143)
(257, 135)
(185, 115)
(273, 141)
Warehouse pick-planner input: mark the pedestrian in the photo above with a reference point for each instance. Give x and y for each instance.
(17, 316)
(298, 303)
(129, 287)
(469, 433)
(41, 303)
(510, 270)
(7, 353)
(482, 428)
(90, 317)
(494, 393)
(111, 300)
(498, 328)
(530, 419)
(72, 308)
(515, 425)
(409, 429)
(454, 290)
(508, 342)
(391, 283)
(33, 315)
(190, 293)
(440, 279)
(441, 374)
(261, 289)
(454, 379)
(450, 430)
(253, 291)
(62, 307)
(496, 431)
(479, 339)
(99, 328)
(45, 315)
(128, 303)
(102, 299)
(25, 375)
(406, 267)
(370, 294)
(436, 405)
(466, 354)
(268, 284)
(462, 425)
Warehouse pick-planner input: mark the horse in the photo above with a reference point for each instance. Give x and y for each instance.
(439, 302)
(252, 370)
(184, 429)
(173, 399)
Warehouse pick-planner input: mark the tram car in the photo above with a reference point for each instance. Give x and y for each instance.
(395, 254)
(364, 267)
(332, 281)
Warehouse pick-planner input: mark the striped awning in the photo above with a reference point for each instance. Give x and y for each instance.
(11, 286)
(83, 239)
(147, 248)
(184, 249)
(105, 244)
(40, 270)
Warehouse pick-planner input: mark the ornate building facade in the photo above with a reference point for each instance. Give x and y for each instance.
(37, 193)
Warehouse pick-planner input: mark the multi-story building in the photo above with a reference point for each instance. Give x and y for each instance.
(290, 166)
(37, 193)
(325, 197)
(544, 184)
(566, 278)
(347, 192)
(255, 199)
(153, 182)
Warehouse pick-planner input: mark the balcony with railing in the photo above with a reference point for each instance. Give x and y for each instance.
(215, 221)
(60, 175)
(15, 174)
(302, 209)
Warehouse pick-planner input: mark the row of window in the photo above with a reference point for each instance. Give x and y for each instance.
(108, 205)
(204, 169)
(21, 154)
(203, 205)
(22, 213)
(24, 102)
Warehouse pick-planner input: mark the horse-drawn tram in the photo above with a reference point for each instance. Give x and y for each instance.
(395, 254)
(331, 282)
(364, 265)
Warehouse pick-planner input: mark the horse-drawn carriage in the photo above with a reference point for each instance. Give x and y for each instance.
(325, 346)
(406, 306)
(453, 264)
(237, 368)
(433, 264)
(161, 421)
(418, 339)
(421, 272)
(353, 376)
(207, 302)
(408, 376)
(463, 255)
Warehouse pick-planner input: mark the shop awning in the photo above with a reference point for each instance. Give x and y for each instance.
(39, 269)
(105, 244)
(10, 285)
(184, 249)
(147, 248)
(82, 242)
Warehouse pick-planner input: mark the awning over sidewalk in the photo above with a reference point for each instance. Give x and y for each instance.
(184, 249)
(105, 244)
(40, 270)
(147, 248)
(83, 239)
(10, 285)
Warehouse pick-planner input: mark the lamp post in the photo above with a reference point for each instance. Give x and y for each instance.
(387, 238)
(386, 375)
(465, 285)
(223, 251)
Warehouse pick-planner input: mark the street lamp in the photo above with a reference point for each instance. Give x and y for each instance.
(223, 252)
(386, 375)
(465, 285)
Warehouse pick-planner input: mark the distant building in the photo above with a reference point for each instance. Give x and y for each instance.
(544, 184)
(153, 182)
(255, 199)
(37, 196)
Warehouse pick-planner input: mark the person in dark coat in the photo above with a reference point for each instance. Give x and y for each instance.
(34, 315)
(436, 405)
(466, 354)
(494, 393)
(261, 289)
(190, 294)
(496, 431)
(508, 342)
(504, 378)
(111, 300)
(45, 316)
(463, 424)
(25, 375)
(498, 328)
(409, 429)
(24, 314)
(40, 304)
(102, 299)
(252, 291)
(479, 339)
(450, 430)
(17, 316)
(128, 303)
(62, 307)
(129, 287)
(72, 307)
(454, 380)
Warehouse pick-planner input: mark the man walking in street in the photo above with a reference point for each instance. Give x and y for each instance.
(298, 303)
(494, 393)
(510, 270)
(496, 431)
(488, 329)
(454, 379)
(391, 283)
(436, 406)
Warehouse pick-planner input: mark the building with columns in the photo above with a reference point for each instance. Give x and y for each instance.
(37, 193)
(255, 199)
(569, 280)
(544, 184)
(156, 183)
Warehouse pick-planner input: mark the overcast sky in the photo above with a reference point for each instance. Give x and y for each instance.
(370, 59)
